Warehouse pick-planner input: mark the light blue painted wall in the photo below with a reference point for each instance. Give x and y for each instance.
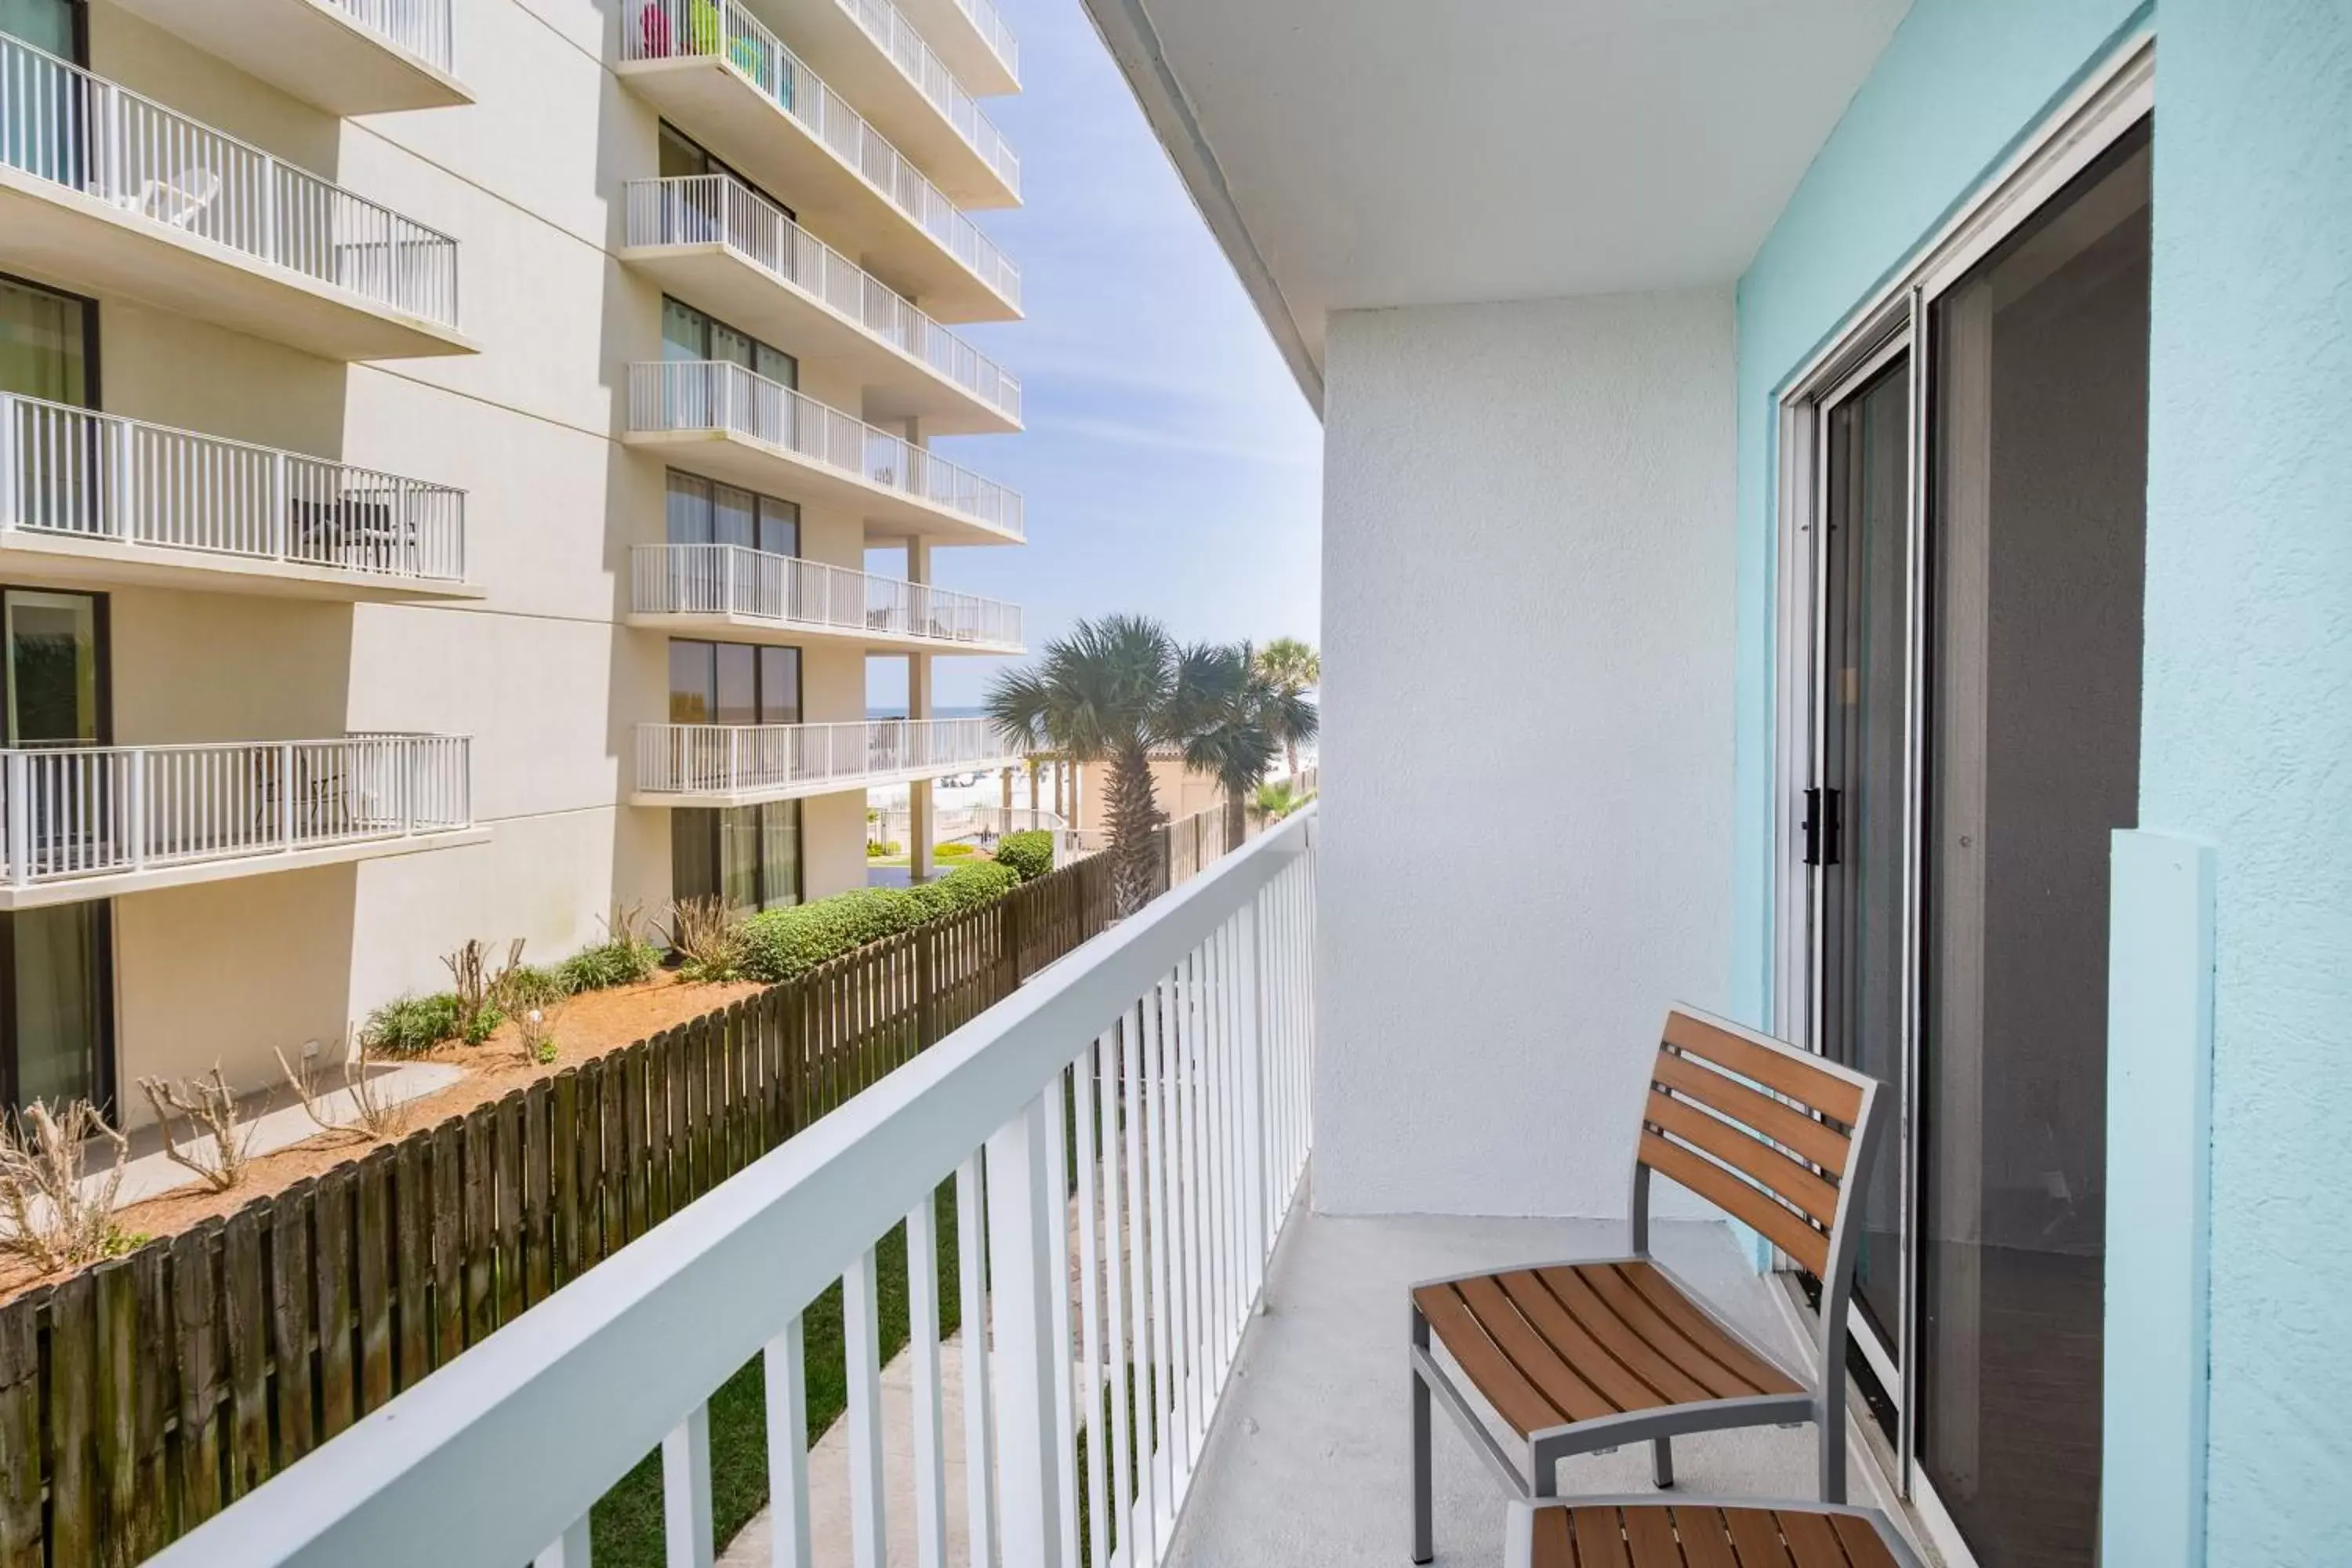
(2248, 723)
(2248, 717)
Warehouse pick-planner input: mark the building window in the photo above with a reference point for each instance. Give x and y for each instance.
(747, 856)
(688, 334)
(704, 512)
(733, 683)
(48, 340)
(56, 985)
(683, 158)
(54, 27)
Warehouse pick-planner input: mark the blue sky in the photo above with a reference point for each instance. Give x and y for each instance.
(1170, 465)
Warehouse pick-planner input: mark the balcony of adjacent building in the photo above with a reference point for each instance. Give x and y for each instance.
(874, 53)
(718, 418)
(126, 197)
(743, 595)
(93, 500)
(715, 242)
(345, 57)
(743, 764)
(714, 70)
(92, 822)
(971, 37)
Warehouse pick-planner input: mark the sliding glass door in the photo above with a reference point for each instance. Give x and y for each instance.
(1977, 573)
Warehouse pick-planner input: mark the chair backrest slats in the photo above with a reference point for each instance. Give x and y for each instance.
(1762, 1131)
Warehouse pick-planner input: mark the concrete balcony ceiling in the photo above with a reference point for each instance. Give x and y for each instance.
(873, 52)
(740, 595)
(345, 57)
(721, 248)
(734, 87)
(1369, 153)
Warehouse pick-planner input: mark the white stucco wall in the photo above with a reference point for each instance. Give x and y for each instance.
(1527, 745)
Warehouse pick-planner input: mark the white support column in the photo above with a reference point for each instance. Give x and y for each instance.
(920, 825)
(685, 1492)
(1024, 1214)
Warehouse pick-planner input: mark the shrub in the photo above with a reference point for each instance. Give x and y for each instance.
(1029, 854)
(620, 961)
(529, 985)
(952, 851)
(784, 944)
(708, 938)
(410, 1023)
(883, 851)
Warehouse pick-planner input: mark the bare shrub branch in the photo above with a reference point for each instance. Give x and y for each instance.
(378, 1114)
(709, 936)
(217, 1144)
(50, 1220)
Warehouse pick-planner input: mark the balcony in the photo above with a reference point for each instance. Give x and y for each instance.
(346, 57)
(95, 822)
(972, 36)
(742, 764)
(120, 196)
(732, 591)
(88, 497)
(719, 419)
(714, 242)
(714, 70)
(1125, 1139)
(873, 52)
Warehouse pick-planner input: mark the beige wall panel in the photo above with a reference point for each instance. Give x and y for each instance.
(833, 843)
(218, 666)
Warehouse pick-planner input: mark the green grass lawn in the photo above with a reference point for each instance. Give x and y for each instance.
(626, 1524)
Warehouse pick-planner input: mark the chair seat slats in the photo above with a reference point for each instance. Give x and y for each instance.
(1664, 1535)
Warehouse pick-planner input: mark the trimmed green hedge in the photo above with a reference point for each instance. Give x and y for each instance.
(784, 944)
(1030, 854)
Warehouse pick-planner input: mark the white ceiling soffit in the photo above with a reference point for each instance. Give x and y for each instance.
(1355, 154)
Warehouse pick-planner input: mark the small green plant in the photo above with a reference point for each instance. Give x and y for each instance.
(408, 1025)
(1030, 855)
(883, 851)
(956, 851)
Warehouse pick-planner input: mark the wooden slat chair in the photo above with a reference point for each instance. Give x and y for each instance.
(1640, 1533)
(1590, 1354)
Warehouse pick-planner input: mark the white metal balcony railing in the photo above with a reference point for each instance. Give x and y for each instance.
(61, 124)
(69, 812)
(680, 395)
(990, 22)
(706, 209)
(745, 759)
(735, 580)
(420, 26)
(1144, 1103)
(727, 31)
(896, 37)
(73, 473)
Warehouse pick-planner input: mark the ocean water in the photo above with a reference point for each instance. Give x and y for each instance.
(941, 712)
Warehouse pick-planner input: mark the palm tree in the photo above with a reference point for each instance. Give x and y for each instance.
(1238, 719)
(1294, 668)
(1108, 692)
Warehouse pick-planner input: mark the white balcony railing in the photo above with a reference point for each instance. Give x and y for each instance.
(61, 124)
(420, 26)
(995, 33)
(896, 37)
(73, 473)
(1143, 1104)
(746, 759)
(71, 812)
(708, 209)
(726, 31)
(733, 580)
(678, 395)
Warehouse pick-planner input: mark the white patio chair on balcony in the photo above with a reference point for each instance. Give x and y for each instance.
(178, 200)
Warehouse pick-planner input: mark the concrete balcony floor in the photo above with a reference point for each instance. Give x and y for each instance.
(1308, 1463)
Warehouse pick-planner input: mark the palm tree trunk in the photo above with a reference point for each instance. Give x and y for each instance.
(1237, 819)
(1291, 756)
(1133, 817)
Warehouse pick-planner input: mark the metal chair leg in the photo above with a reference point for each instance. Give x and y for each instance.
(1423, 1537)
(1661, 1462)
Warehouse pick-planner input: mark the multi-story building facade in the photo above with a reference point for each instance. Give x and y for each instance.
(439, 448)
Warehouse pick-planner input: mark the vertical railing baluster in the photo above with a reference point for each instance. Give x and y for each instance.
(929, 1418)
(1024, 1214)
(979, 1398)
(862, 1358)
(685, 1492)
(785, 1371)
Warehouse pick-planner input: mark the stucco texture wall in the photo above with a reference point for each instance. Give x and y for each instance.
(1525, 835)
(2248, 716)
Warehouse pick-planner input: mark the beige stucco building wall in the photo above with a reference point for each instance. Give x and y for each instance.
(539, 669)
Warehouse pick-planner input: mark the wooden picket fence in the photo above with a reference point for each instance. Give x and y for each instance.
(139, 1397)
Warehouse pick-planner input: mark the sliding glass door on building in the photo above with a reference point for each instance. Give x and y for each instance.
(1978, 565)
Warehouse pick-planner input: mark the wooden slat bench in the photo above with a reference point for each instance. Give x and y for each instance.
(1588, 1354)
(1637, 1532)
